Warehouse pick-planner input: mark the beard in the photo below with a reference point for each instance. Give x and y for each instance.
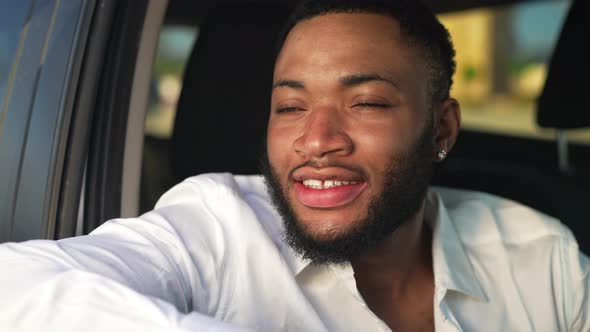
(406, 181)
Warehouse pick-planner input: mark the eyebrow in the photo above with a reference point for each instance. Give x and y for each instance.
(357, 79)
(289, 84)
(347, 81)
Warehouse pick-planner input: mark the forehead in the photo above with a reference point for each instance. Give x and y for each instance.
(352, 42)
(373, 26)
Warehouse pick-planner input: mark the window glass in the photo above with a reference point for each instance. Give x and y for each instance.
(502, 58)
(13, 15)
(174, 48)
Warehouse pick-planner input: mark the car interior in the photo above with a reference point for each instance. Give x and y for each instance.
(224, 101)
(135, 96)
(550, 176)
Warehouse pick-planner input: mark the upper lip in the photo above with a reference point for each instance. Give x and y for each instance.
(326, 173)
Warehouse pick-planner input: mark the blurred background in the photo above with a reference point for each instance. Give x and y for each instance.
(502, 58)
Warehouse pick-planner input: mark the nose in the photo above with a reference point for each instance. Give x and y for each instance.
(324, 135)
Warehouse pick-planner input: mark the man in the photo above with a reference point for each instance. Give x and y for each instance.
(344, 233)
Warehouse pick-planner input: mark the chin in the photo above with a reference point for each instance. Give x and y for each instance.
(328, 230)
(327, 224)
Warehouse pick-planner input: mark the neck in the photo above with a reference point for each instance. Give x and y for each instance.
(396, 279)
(399, 263)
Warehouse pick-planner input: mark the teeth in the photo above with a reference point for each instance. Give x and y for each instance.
(318, 184)
(315, 184)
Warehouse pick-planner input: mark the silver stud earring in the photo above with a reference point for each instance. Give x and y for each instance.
(442, 154)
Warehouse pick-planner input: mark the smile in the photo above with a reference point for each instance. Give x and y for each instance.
(328, 193)
(327, 184)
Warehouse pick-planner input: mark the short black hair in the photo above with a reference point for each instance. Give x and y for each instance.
(417, 23)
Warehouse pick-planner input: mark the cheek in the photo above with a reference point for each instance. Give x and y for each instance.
(382, 141)
(277, 145)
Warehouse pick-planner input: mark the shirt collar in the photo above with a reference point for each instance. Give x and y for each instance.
(452, 268)
(295, 261)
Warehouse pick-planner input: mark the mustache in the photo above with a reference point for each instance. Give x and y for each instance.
(329, 163)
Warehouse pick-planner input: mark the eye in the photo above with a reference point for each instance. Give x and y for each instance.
(366, 104)
(288, 109)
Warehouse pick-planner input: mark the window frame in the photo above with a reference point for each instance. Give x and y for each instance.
(45, 74)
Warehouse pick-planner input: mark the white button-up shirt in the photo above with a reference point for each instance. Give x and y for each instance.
(210, 257)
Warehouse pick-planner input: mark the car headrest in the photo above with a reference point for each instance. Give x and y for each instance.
(222, 112)
(564, 102)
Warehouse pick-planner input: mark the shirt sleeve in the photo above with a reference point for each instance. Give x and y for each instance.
(128, 275)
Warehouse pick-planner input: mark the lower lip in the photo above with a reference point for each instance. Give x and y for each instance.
(328, 198)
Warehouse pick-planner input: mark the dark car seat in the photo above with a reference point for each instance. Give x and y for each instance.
(563, 105)
(222, 112)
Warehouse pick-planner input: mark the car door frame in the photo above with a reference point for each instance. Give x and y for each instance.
(83, 113)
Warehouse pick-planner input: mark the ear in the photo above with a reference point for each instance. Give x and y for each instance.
(446, 128)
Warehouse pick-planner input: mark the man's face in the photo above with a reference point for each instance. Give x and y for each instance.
(350, 126)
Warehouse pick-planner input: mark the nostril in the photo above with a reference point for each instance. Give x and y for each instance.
(323, 134)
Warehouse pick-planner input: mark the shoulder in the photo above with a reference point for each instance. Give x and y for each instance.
(480, 218)
(217, 190)
(211, 187)
(521, 255)
(225, 204)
